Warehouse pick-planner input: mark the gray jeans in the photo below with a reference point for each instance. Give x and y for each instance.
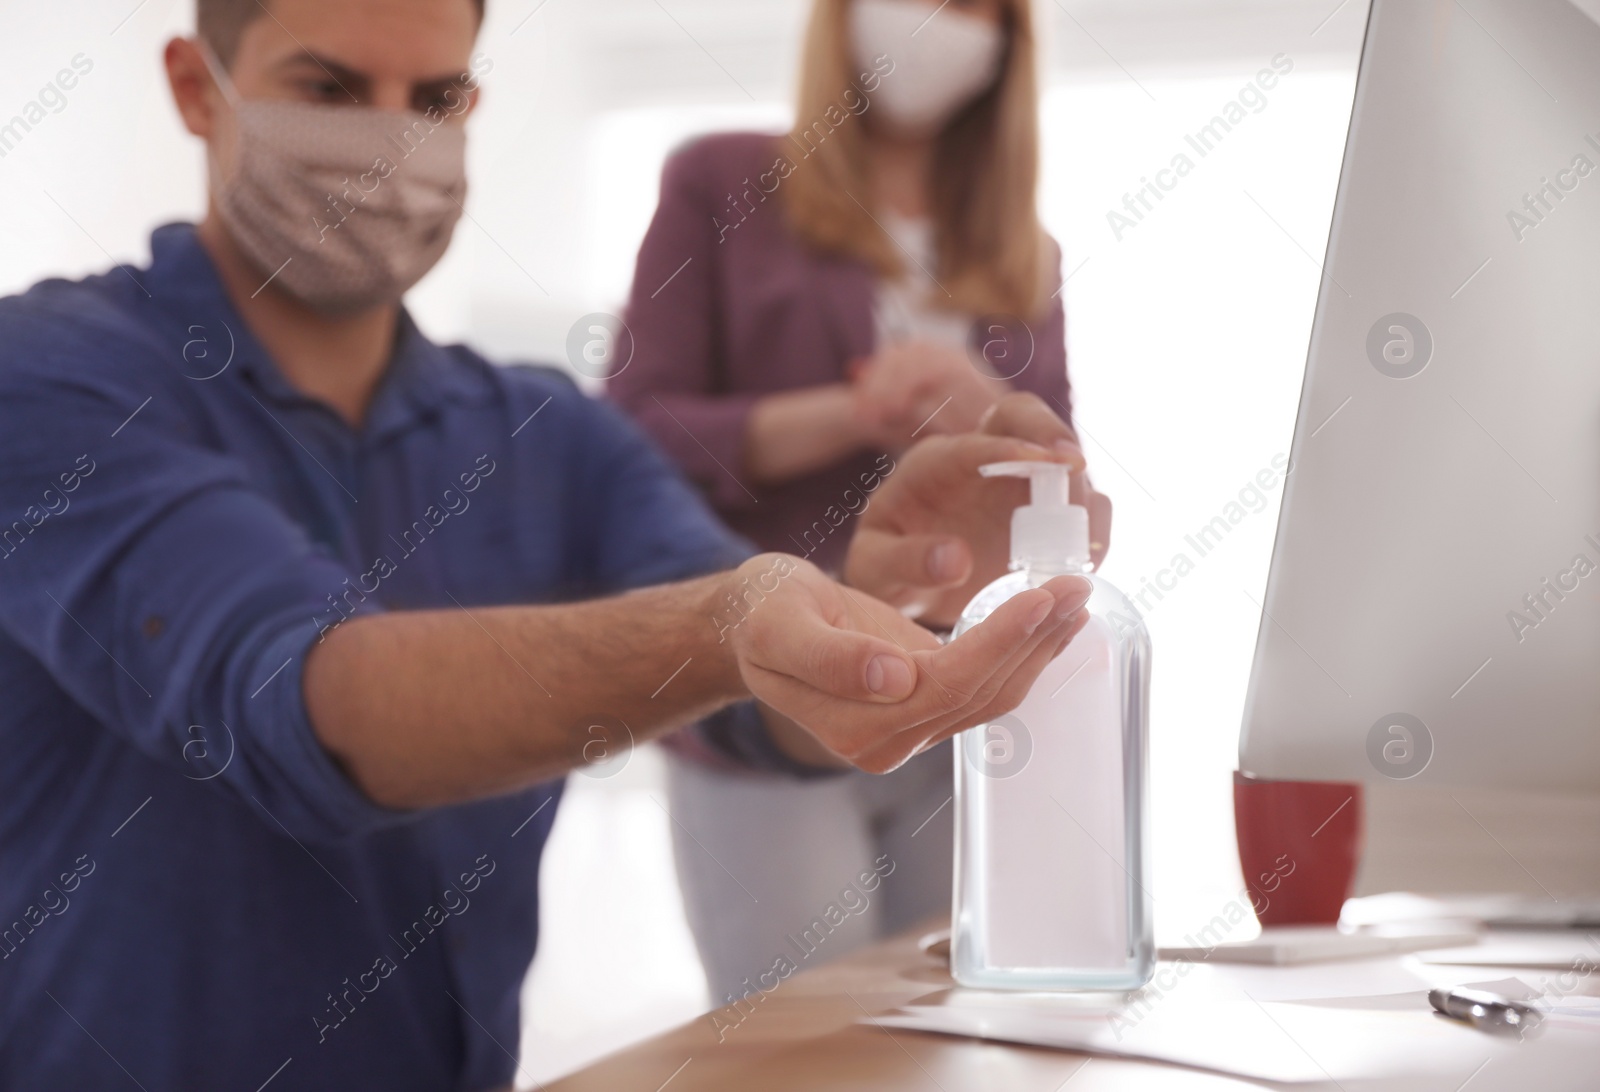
(806, 871)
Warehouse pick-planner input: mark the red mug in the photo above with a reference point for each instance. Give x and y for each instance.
(1299, 845)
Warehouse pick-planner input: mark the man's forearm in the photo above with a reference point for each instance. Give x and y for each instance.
(425, 708)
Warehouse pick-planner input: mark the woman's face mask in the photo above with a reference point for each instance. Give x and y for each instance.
(943, 59)
(344, 207)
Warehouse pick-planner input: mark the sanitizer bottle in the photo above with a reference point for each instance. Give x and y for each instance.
(1051, 855)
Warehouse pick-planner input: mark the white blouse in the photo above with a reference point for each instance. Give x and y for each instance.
(905, 307)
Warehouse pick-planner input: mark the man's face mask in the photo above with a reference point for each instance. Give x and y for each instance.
(344, 207)
(943, 59)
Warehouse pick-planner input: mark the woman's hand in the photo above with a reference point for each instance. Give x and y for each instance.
(1028, 417)
(936, 531)
(914, 388)
(867, 683)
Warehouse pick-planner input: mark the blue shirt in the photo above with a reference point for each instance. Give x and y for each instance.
(194, 894)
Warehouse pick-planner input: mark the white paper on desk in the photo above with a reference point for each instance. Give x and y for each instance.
(1546, 950)
(1235, 1035)
(1295, 945)
(1566, 1008)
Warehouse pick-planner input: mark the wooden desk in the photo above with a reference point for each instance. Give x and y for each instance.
(805, 1035)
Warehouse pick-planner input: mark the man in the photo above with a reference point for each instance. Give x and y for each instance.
(280, 755)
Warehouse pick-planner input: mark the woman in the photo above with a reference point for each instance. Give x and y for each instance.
(804, 307)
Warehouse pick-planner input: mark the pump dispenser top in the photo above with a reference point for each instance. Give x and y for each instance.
(1050, 534)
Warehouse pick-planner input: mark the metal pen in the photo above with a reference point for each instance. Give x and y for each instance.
(1485, 1010)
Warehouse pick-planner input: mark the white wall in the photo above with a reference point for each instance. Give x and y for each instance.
(1187, 336)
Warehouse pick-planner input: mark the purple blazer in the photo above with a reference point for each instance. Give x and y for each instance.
(727, 310)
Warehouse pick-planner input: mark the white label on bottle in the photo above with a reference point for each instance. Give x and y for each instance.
(1055, 882)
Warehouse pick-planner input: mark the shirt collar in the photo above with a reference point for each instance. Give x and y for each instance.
(420, 378)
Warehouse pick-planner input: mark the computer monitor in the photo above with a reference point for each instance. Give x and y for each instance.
(1432, 614)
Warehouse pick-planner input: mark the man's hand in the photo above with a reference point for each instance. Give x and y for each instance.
(936, 531)
(872, 686)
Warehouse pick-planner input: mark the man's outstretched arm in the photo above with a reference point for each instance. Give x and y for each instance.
(425, 708)
(436, 706)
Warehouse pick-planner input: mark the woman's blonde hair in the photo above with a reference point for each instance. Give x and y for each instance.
(992, 252)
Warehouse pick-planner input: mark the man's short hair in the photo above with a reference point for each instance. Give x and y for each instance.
(221, 23)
